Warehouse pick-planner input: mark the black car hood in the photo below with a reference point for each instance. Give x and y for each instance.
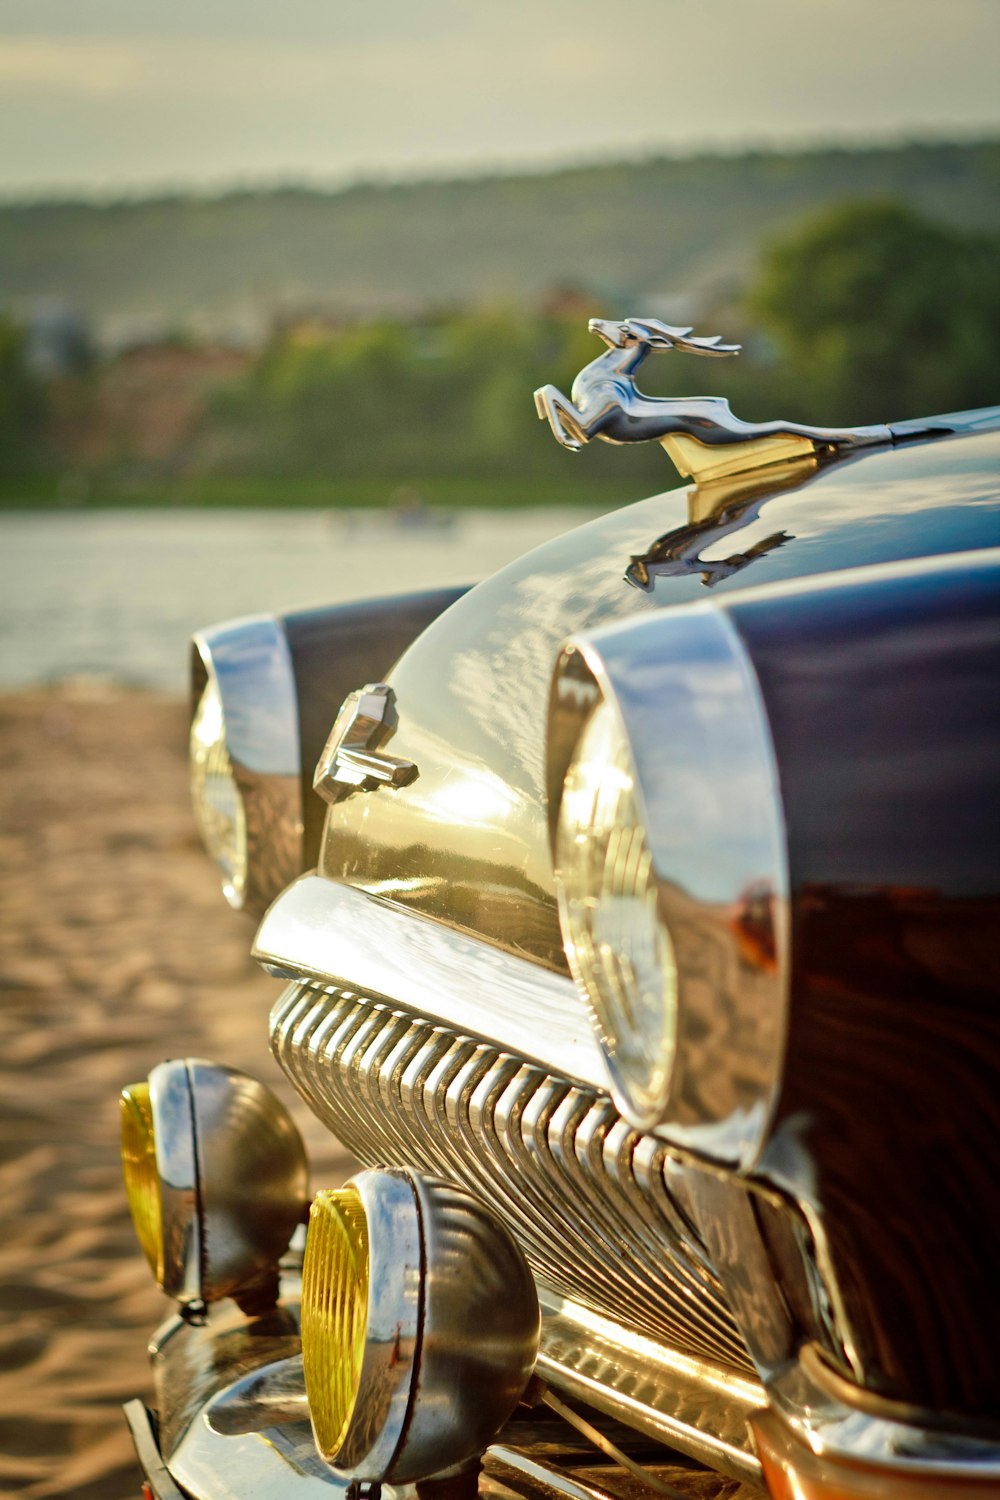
(466, 842)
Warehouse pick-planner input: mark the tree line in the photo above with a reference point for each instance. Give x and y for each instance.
(866, 312)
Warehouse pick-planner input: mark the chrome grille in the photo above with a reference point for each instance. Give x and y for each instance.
(594, 1204)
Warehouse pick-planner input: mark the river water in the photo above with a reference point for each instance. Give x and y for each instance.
(116, 593)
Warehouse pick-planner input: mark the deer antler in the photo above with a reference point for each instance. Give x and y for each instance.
(662, 336)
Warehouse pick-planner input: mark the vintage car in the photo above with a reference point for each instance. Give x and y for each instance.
(639, 924)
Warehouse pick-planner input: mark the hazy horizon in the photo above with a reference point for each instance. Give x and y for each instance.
(120, 99)
(227, 187)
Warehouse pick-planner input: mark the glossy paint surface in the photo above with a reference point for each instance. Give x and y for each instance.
(882, 696)
(467, 842)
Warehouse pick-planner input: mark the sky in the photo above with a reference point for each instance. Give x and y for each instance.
(104, 97)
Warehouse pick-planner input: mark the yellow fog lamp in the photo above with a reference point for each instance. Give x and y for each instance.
(142, 1182)
(419, 1326)
(215, 1175)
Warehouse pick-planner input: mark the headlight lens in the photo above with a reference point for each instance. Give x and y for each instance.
(668, 840)
(218, 806)
(142, 1181)
(618, 949)
(334, 1311)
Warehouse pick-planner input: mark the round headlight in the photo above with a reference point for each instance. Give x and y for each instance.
(619, 951)
(215, 1175)
(218, 806)
(671, 870)
(419, 1326)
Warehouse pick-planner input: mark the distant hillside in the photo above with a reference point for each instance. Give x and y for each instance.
(657, 229)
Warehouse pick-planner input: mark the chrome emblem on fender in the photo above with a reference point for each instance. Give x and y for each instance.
(352, 758)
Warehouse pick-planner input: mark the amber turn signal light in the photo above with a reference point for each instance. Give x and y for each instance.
(792, 1471)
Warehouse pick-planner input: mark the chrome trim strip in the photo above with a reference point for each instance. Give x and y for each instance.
(683, 1402)
(688, 701)
(159, 1484)
(250, 662)
(837, 1420)
(947, 424)
(592, 1205)
(544, 1481)
(344, 936)
(231, 1401)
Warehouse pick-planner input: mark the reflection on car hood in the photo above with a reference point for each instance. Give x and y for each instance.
(467, 842)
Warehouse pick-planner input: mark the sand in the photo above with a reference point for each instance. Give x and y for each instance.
(116, 950)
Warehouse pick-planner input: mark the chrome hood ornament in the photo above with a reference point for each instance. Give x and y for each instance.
(700, 433)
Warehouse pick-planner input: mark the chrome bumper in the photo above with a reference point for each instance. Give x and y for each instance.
(194, 1369)
(216, 1433)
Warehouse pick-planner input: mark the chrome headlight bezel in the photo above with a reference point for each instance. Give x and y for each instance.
(683, 695)
(245, 667)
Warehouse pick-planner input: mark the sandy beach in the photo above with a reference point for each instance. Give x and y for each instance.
(117, 950)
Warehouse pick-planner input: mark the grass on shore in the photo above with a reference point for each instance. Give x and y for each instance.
(450, 492)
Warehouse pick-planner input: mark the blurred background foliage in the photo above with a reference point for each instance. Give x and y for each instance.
(877, 312)
(861, 311)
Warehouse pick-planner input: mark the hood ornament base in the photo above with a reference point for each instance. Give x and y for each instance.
(701, 435)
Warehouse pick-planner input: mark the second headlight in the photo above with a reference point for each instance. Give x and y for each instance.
(618, 948)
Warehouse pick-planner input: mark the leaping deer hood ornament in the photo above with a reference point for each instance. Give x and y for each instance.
(700, 433)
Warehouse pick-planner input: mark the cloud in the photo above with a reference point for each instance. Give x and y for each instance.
(129, 69)
(70, 66)
(212, 90)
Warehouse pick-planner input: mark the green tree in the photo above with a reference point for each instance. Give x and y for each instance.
(879, 313)
(20, 404)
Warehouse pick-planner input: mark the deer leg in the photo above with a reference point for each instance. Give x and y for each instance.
(553, 407)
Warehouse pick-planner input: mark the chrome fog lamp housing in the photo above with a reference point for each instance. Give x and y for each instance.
(668, 840)
(419, 1326)
(216, 1178)
(245, 769)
